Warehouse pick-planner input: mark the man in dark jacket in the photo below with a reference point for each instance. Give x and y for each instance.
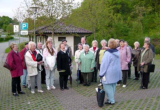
(24, 76)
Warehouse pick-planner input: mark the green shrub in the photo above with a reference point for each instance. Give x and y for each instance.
(3, 39)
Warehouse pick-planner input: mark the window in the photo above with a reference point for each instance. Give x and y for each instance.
(61, 38)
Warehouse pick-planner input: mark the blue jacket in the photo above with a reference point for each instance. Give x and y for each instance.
(110, 67)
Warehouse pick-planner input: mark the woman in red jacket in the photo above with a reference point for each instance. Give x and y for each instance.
(14, 61)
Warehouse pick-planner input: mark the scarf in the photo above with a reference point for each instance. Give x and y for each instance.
(94, 48)
(33, 57)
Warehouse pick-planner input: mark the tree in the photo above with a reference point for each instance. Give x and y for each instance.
(9, 29)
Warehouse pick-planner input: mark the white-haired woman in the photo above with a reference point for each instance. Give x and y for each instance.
(87, 62)
(94, 50)
(136, 51)
(31, 63)
(100, 53)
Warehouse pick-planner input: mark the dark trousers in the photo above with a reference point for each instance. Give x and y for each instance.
(129, 70)
(136, 72)
(94, 75)
(87, 78)
(43, 75)
(16, 84)
(63, 81)
(124, 74)
(81, 77)
(144, 79)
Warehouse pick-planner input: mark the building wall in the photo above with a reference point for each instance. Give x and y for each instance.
(69, 38)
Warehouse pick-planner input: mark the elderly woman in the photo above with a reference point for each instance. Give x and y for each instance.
(15, 63)
(100, 53)
(63, 66)
(110, 71)
(87, 62)
(144, 60)
(77, 54)
(125, 57)
(49, 57)
(135, 56)
(94, 50)
(32, 64)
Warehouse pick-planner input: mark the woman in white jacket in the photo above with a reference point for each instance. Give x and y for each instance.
(32, 64)
(77, 54)
(49, 58)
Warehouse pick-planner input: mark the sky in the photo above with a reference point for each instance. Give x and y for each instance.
(8, 7)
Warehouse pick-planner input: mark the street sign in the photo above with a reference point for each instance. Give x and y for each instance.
(15, 28)
(24, 32)
(24, 26)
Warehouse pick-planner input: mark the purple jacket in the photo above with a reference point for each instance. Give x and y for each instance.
(125, 57)
(14, 61)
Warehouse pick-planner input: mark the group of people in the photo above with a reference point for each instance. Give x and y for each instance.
(113, 60)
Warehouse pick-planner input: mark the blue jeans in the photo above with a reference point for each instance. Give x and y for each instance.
(110, 91)
(24, 77)
(50, 77)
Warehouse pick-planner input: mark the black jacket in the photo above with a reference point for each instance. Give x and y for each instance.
(63, 63)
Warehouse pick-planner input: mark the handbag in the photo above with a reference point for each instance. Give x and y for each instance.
(7, 66)
(39, 57)
(100, 96)
(151, 68)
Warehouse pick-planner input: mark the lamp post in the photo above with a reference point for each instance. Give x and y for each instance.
(35, 8)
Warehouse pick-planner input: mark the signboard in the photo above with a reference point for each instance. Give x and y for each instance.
(24, 28)
(24, 32)
(15, 28)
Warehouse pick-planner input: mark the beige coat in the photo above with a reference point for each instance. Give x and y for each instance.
(31, 64)
(147, 59)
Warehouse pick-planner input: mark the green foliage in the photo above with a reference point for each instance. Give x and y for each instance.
(130, 20)
(6, 38)
(9, 29)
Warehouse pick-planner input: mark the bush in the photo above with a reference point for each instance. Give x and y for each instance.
(6, 38)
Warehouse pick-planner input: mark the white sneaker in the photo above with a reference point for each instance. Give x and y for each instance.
(53, 87)
(32, 92)
(40, 91)
(124, 86)
(48, 88)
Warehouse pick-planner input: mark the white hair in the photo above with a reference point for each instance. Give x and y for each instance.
(30, 44)
(86, 45)
(137, 43)
(39, 43)
(49, 39)
(95, 41)
(104, 41)
(148, 38)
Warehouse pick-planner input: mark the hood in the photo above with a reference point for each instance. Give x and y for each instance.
(114, 52)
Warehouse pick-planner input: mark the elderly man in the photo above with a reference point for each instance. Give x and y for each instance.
(147, 39)
(83, 41)
(24, 76)
(32, 64)
(40, 51)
